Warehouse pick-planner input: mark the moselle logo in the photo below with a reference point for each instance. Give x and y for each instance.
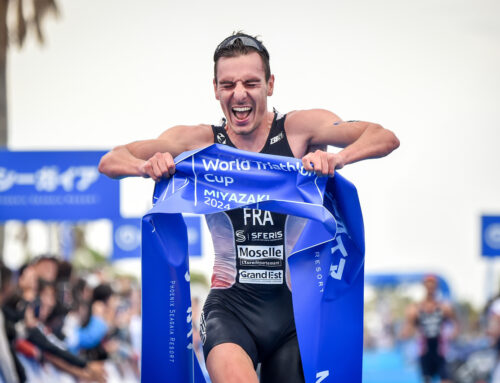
(268, 277)
(492, 236)
(276, 139)
(240, 236)
(266, 236)
(128, 237)
(221, 138)
(260, 252)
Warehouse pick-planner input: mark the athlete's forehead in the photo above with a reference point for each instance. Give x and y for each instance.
(242, 67)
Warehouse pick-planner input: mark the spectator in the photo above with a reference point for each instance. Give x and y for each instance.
(25, 307)
(10, 368)
(46, 267)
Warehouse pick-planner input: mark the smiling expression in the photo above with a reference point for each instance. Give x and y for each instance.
(242, 90)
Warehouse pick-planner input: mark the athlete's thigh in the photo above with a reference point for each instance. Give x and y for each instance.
(218, 325)
(229, 363)
(284, 365)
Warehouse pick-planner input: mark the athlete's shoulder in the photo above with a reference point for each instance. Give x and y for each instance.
(300, 119)
(186, 129)
(413, 310)
(446, 308)
(189, 136)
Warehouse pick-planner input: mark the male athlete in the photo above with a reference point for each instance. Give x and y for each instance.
(245, 322)
(429, 318)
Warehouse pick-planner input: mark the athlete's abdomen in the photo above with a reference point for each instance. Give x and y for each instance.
(251, 247)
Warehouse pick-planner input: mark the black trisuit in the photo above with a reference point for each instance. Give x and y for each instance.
(250, 301)
(432, 344)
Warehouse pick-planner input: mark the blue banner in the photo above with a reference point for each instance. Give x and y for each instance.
(490, 236)
(55, 186)
(327, 261)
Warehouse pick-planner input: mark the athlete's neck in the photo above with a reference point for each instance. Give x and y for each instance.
(254, 141)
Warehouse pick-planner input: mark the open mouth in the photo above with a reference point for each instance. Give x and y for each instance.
(241, 112)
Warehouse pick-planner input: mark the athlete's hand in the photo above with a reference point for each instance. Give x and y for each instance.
(159, 166)
(322, 163)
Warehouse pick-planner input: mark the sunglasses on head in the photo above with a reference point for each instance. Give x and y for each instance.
(247, 41)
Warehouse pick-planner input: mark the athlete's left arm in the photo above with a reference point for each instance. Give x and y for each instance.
(451, 317)
(360, 140)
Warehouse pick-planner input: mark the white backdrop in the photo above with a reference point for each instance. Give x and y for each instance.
(115, 71)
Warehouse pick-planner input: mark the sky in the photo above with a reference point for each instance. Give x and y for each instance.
(116, 71)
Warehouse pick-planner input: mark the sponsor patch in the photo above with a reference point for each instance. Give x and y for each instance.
(276, 138)
(221, 138)
(240, 236)
(266, 236)
(266, 277)
(260, 255)
(260, 252)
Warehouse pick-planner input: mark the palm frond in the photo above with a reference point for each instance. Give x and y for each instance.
(41, 8)
(38, 11)
(20, 23)
(4, 32)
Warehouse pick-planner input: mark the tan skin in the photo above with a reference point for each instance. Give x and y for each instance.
(429, 304)
(242, 90)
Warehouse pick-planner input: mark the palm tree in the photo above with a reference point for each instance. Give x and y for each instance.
(17, 18)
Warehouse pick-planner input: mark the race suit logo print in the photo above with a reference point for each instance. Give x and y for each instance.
(221, 138)
(203, 329)
(240, 236)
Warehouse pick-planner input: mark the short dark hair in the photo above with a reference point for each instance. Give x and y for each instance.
(5, 277)
(239, 44)
(102, 293)
(45, 257)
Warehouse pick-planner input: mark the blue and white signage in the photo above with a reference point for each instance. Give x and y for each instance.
(55, 186)
(490, 236)
(193, 223)
(127, 237)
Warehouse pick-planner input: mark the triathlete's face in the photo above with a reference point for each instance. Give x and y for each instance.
(242, 90)
(430, 286)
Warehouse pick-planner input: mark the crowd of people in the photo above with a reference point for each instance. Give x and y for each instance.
(59, 325)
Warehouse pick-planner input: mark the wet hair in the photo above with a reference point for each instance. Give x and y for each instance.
(239, 44)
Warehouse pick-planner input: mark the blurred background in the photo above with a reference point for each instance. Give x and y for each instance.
(80, 77)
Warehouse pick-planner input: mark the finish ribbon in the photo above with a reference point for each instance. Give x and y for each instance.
(326, 265)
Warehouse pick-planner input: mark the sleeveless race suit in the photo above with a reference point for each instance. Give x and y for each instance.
(250, 301)
(432, 361)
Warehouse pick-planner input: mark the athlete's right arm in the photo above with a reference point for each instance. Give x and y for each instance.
(154, 158)
(408, 328)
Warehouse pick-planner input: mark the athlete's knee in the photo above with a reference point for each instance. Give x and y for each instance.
(229, 363)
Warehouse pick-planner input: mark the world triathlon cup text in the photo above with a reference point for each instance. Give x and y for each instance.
(247, 165)
(225, 200)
